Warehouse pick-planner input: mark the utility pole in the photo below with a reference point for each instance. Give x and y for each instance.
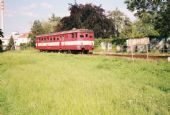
(2, 14)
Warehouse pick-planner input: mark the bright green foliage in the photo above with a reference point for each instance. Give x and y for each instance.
(33, 38)
(140, 29)
(11, 44)
(155, 12)
(57, 84)
(163, 21)
(119, 20)
(52, 25)
(37, 28)
(45, 27)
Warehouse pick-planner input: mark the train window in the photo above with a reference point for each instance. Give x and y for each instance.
(51, 39)
(81, 36)
(72, 35)
(58, 38)
(91, 36)
(86, 35)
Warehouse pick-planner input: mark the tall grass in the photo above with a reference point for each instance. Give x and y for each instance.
(33, 83)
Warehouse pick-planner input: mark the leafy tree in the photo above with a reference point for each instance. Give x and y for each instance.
(1, 33)
(1, 45)
(37, 28)
(47, 26)
(33, 39)
(88, 16)
(152, 11)
(139, 29)
(163, 21)
(55, 23)
(11, 44)
(54, 18)
(119, 21)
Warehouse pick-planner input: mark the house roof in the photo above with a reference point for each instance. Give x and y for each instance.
(24, 35)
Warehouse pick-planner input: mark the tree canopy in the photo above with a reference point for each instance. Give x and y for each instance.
(11, 44)
(155, 12)
(37, 28)
(1, 33)
(119, 20)
(88, 16)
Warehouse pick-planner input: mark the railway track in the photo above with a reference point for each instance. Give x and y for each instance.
(137, 56)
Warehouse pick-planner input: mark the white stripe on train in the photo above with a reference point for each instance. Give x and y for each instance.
(69, 43)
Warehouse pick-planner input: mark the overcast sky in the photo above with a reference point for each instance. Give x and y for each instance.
(20, 14)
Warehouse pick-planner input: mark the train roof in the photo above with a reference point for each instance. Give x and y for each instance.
(67, 32)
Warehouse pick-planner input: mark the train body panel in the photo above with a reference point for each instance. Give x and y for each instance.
(77, 40)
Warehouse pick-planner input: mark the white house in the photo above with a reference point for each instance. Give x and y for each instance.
(18, 39)
(22, 39)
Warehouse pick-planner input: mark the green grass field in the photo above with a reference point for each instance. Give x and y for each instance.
(33, 83)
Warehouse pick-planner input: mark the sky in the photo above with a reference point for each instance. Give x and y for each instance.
(19, 15)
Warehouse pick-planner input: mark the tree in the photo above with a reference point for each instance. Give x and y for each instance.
(48, 27)
(11, 44)
(119, 21)
(163, 21)
(55, 23)
(90, 17)
(33, 39)
(1, 33)
(1, 45)
(37, 28)
(155, 12)
(139, 29)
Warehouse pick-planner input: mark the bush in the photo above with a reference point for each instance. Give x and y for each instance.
(11, 44)
(98, 41)
(1, 49)
(24, 46)
(114, 41)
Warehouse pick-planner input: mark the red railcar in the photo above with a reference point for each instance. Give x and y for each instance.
(77, 40)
